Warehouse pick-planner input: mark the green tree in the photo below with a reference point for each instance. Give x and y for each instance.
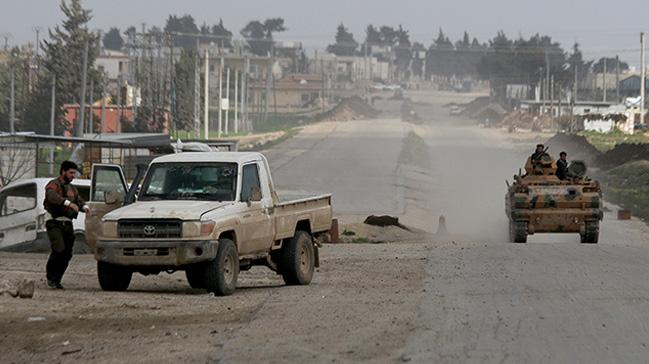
(260, 35)
(184, 85)
(598, 67)
(18, 63)
(113, 40)
(345, 44)
(63, 57)
(182, 24)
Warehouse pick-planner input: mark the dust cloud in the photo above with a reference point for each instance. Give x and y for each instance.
(468, 169)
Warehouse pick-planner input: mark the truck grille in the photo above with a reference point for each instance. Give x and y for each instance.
(150, 229)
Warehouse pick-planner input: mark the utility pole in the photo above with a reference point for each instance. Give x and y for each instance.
(92, 111)
(643, 76)
(617, 78)
(227, 101)
(604, 79)
(78, 128)
(576, 83)
(552, 97)
(236, 101)
(52, 119)
(12, 102)
(221, 65)
(206, 105)
(245, 94)
(102, 127)
(547, 75)
(197, 93)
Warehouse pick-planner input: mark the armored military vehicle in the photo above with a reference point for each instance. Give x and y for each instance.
(539, 202)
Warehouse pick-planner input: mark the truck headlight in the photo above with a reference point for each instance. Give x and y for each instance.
(195, 229)
(109, 229)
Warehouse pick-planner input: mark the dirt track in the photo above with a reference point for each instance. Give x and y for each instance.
(469, 298)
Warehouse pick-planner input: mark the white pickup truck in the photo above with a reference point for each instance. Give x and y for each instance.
(210, 214)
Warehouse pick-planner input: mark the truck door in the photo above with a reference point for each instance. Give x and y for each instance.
(256, 221)
(108, 189)
(18, 214)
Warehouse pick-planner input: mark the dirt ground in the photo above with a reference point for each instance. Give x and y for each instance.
(361, 306)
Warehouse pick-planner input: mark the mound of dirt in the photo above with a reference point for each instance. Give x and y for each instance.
(523, 120)
(627, 185)
(361, 233)
(351, 108)
(475, 106)
(623, 153)
(577, 147)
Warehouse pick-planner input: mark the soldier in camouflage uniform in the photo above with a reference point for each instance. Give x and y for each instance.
(63, 202)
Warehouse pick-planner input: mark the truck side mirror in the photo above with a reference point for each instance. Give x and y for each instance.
(111, 197)
(255, 194)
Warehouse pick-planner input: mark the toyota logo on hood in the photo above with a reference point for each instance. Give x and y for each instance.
(149, 230)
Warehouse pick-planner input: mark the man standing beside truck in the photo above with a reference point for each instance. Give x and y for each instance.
(63, 202)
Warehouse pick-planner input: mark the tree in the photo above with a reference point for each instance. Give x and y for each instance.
(598, 67)
(63, 57)
(183, 24)
(185, 81)
(345, 44)
(225, 36)
(113, 40)
(260, 35)
(18, 64)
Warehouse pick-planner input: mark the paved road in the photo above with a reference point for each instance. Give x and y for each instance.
(551, 300)
(356, 161)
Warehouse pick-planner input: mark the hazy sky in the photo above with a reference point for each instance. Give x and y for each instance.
(603, 28)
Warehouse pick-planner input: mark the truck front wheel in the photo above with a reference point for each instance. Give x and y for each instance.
(220, 274)
(113, 277)
(195, 276)
(298, 259)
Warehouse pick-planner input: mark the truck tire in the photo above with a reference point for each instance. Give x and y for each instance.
(518, 231)
(220, 274)
(113, 277)
(591, 234)
(298, 263)
(195, 276)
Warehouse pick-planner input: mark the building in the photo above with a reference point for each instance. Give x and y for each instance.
(292, 92)
(113, 64)
(630, 86)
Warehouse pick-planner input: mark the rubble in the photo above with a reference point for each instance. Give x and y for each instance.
(351, 108)
(23, 288)
(623, 153)
(577, 147)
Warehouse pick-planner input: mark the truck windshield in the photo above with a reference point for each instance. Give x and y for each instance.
(190, 181)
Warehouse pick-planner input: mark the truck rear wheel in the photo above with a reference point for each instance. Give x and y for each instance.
(298, 263)
(220, 275)
(518, 231)
(591, 234)
(195, 276)
(113, 277)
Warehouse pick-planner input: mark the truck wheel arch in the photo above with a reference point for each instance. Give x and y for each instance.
(303, 225)
(230, 234)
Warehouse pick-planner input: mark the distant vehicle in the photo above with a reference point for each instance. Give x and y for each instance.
(209, 214)
(455, 110)
(539, 202)
(23, 216)
(384, 87)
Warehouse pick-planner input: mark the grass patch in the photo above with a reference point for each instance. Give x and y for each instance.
(607, 141)
(360, 240)
(415, 151)
(628, 186)
(348, 233)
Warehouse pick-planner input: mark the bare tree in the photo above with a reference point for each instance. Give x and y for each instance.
(16, 162)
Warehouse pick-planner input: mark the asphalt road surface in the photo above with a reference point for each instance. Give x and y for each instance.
(467, 297)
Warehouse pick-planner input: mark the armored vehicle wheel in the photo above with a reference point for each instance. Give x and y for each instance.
(195, 277)
(220, 275)
(113, 277)
(591, 235)
(298, 261)
(518, 231)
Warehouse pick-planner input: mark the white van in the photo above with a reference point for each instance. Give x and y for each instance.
(23, 217)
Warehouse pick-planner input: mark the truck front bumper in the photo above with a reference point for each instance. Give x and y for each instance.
(155, 253)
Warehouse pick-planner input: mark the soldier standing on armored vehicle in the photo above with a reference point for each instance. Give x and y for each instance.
(562, 166)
